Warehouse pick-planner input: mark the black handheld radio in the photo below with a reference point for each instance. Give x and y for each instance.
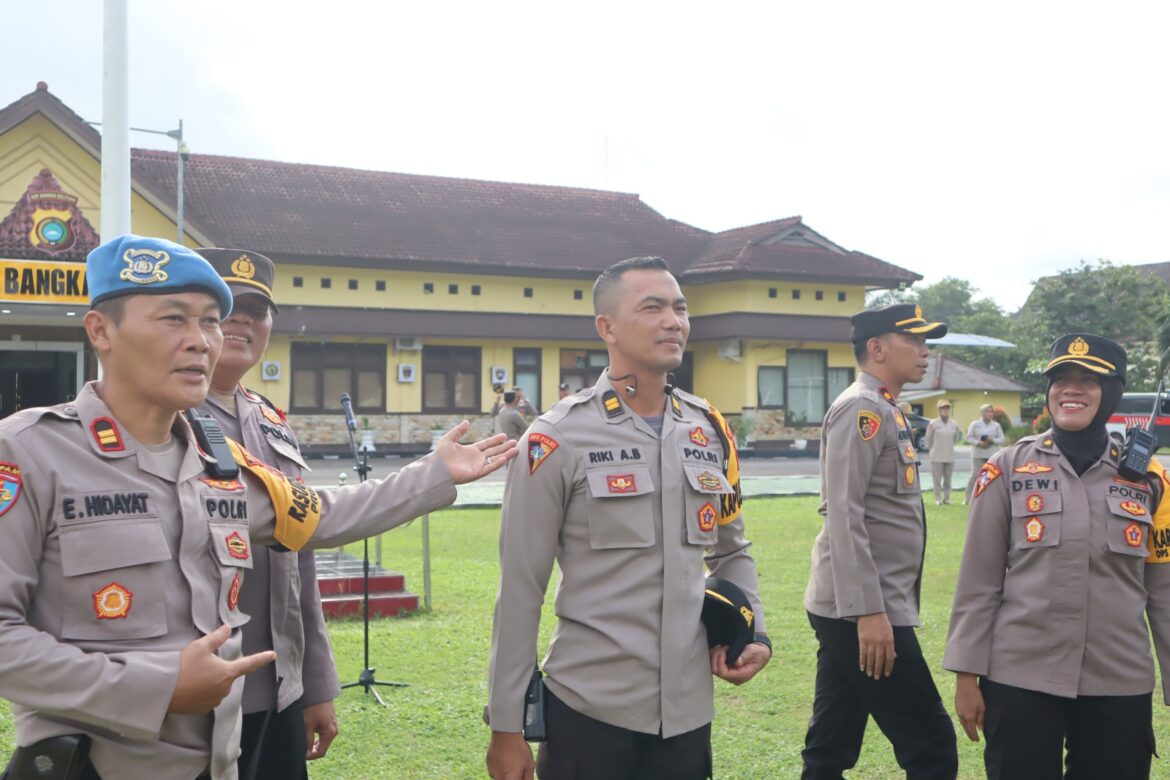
(534, 700)
(214, 443)
(1140, 444)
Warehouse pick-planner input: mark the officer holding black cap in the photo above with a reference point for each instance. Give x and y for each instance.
(280, 594)
(124, 541)
(863, 592)
(1064, 562)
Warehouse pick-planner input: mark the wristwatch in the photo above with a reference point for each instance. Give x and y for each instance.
(762, 639)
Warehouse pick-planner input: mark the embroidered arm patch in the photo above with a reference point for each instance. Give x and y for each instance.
(297, 506)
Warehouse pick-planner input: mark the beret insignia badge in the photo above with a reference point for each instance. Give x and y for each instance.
(144, 266)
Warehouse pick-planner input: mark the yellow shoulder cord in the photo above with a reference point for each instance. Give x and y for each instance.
(1159, 536)
(297, 506)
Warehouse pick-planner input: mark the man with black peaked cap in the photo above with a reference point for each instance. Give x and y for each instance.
(864, 588)
(280, 593)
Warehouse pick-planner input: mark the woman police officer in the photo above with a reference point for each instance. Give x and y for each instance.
(1062, 556)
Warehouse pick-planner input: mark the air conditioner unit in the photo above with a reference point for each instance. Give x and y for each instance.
(270, 370)
(408, 343)
(731, 349)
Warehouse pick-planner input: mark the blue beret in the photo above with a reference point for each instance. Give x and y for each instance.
(138, 265)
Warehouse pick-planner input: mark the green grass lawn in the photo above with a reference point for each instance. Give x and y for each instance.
(432, 729)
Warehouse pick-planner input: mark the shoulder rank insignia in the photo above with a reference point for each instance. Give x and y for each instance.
(886, 394)
(1034, 529)
(106, 434)
(1133, 535)
(675, 406)
(868, 424)
(988, 474)
(540, 446)
(112, 602)
(613, 406)
(1032, 467)
(10, 483)
(698, 437)
(144, 266)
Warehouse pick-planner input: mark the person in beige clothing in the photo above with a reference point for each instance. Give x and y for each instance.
(510, 421)
(631, 486)
(985, 435)
(124, 543)
(1064, 563)
(864, 588)
(942, 434)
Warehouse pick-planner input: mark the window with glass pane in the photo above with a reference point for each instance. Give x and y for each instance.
(582, 367)
(770, 387)
(526, 370)
(451, 379)
(322, 372)
(839, 379)
(807, 385)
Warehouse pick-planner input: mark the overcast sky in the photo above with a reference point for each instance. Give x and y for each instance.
(997, 142)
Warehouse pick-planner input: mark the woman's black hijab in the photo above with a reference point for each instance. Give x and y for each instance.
(1105, 358)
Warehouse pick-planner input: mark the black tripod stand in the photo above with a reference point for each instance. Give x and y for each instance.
(361, 461)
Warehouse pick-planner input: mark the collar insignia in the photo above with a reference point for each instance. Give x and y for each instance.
(106, 434)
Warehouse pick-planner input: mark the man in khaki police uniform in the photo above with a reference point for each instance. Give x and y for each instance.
(631, 486)
(280, 594)
(1065, 560)
(863, 592)
(510, 421)
(123, 545)
(942, 434)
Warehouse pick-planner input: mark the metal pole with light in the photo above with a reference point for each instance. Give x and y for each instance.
(182, 155)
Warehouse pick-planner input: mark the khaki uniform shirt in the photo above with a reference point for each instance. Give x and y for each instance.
(941, 438)
(280, 595)
(111, 567)
(1057, 572)
(631, 519)
(868, 556)
(975, 433)
(511, 422)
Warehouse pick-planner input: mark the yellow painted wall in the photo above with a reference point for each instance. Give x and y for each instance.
(751, 295)
(731, 385)
(37, 143)
(965, 404)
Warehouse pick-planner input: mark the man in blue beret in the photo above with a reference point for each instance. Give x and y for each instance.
(124, 542)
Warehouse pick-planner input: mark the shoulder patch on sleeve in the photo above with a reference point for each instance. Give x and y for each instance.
(10, 484)
(868, 424)
(540, 446)
(988, 474)
(296, 505)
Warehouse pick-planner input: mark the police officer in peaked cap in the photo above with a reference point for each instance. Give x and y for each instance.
(1065, 561)
(124, 543)
(863, 595)
(280, 593)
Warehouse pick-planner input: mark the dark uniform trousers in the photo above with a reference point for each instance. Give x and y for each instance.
(89, 773)
(581, 748)
(906, 706)
(284, 745)
(1027, 732)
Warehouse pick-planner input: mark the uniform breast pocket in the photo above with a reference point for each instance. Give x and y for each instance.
(232, 550)
(907, 468)
(705, 492)
(621, 514)
(1127, 526)
(114, 584)
(1035, 519)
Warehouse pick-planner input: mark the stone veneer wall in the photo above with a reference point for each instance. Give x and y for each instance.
(770, 426)
(327, 429)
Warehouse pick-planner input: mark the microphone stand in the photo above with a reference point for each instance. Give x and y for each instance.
(361, 461)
